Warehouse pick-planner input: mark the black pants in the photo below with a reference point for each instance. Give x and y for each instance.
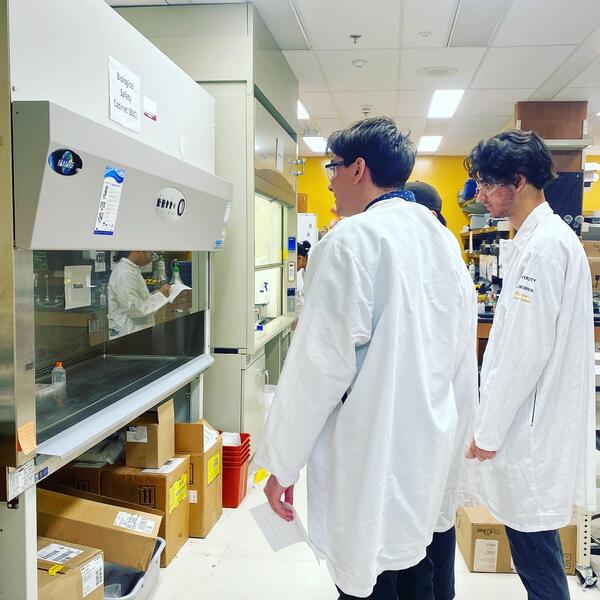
(538, 559)
(431, 579)
(389, 585)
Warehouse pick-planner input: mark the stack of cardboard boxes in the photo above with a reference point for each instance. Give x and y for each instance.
(99, 504)
(485, 548)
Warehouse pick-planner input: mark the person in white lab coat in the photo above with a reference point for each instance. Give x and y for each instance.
(441, 551)
(535, 428)
(301, 262)
(131, 306)
(369, 390)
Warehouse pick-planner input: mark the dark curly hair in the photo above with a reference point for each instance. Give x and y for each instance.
(509, 154)
(388, 152)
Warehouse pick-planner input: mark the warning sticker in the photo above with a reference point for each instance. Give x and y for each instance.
(178, 492)
(486, 556)
(134, 522)
(58, 554)
(214, 467)
(18, 480)
(92, 575)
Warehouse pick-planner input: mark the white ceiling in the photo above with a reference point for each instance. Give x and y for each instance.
(538, 50)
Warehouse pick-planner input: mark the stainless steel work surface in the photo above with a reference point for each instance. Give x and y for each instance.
(95, 384)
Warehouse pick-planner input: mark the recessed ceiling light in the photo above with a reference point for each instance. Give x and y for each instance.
(302, 112)
(315, 143)
(437, 71)
(429, 143)
(359, 63)
(444, 103)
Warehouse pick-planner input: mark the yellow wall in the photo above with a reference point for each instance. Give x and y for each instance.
(591, 198)
(445, 173)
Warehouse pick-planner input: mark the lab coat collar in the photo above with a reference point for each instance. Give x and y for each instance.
(533, 219)
(127, 261)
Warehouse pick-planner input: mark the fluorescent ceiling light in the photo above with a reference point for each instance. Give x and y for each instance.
(444, 103)
(315, 143)
(429, 143)
(302, 112)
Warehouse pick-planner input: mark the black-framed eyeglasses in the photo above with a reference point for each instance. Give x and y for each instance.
(331, 168)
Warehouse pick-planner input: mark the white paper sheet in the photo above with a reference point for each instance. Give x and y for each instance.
(78, 286)
(176, 289)
(279, 533)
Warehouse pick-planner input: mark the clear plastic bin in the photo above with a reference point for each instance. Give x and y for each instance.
(135, 585)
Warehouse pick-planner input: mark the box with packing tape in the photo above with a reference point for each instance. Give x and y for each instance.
(67, 571)
(127, 537)
(165, 489)
(483, 543)
(204, 446)
(151, 438)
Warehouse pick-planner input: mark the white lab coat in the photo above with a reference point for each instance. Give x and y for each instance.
(537, 381)
(131, 306)
(388, 317)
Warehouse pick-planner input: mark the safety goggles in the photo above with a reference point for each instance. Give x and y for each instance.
(331, 169)
(487, 188)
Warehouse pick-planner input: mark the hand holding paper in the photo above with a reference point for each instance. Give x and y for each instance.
(176, 289)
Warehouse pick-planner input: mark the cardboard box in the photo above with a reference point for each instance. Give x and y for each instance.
(592, 248)
(484, 545)
(77, 475)
(206, 478)
(67, 571)
(165, 489)
(126, 537)
(151, 438)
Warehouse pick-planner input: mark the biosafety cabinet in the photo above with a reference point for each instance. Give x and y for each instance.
(106, 149)
(229, 50)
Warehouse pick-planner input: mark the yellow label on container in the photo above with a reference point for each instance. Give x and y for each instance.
(178, 492)
(54, 570)
(214, 467)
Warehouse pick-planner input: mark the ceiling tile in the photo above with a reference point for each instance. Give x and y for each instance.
(413, 103)
(548, 22)
(475, 126)
(380, 72)
(457, 145)
(519, 67)
(434, 16)
(306, 68)
(491, 103)
(415, 125)
(328, 126)
(329, 25)
(319, 105)
(465, 60)
(350, 104)
(589, 77)
(436, 126)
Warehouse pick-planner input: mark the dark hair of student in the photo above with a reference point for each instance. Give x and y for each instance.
(502, 158)
(303, 248)
(388, 152)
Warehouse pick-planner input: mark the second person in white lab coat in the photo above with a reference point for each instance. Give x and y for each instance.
(131, 306)
(367, 395)
(535, 431)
